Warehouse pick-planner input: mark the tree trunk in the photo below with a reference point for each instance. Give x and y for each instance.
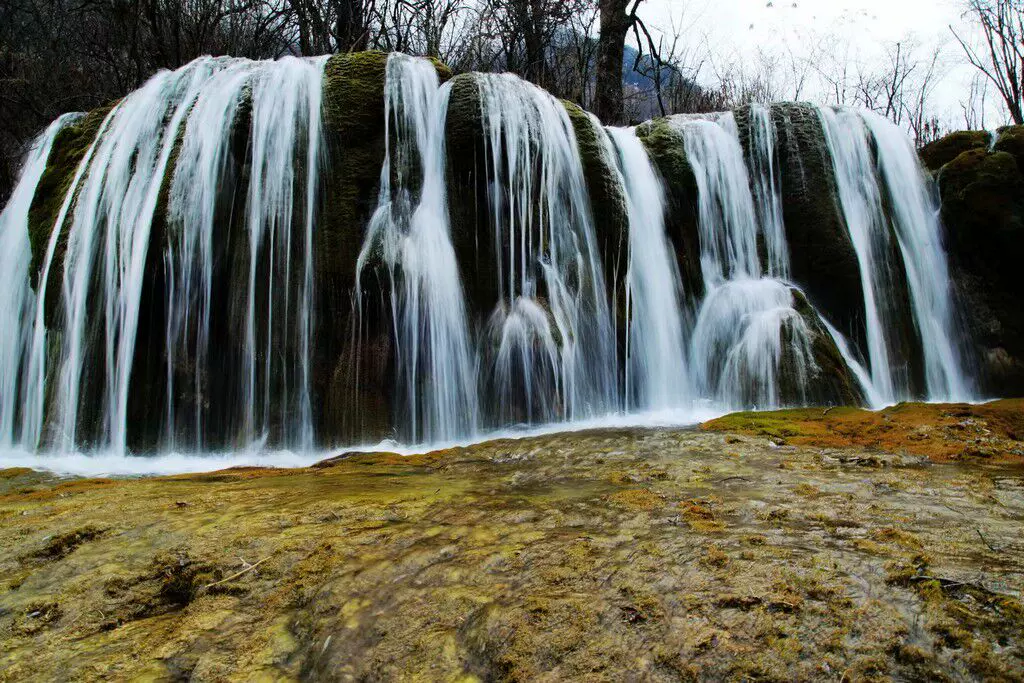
(350, 33)
(615, 23)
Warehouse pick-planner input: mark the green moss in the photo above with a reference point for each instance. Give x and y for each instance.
(983, 212)
(823, 259)
(607, 202)
(668, 153)
(937, 154)
(69, 147)
(444, 72)
(1011, 140)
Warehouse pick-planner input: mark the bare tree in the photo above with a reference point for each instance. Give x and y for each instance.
(617, 18)
(973, 108)
(1001, 58)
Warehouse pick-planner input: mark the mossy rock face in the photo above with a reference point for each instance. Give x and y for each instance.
(833, 382)
(940, 152)
(469, 207)
(354, 128)
(983, 212)
(823, 259)
(1010, 139)
(69, 147)
(607, 198)
(667, 150)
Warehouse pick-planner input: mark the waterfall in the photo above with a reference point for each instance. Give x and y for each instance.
(36, 378)
(524, 371)
(916, 222)
(747, 330)
(109, 236)
(546, 251)
(767, 181)
(410, 235)
(175, 303)
(861, 201)
(16, 298)
(107, 221)
(726, 215)
(656, 373)
(911, 234)
(195, 193)
(286, 123)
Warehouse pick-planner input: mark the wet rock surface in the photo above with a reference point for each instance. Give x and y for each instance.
(625, 554)
(983, 213)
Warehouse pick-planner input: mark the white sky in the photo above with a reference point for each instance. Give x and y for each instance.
(736, 29)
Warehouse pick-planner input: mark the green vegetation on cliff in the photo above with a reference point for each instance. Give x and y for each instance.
(69, 147)
(607, 202)
(354, 129)
(983, 212)
(938, 153)
(666, 148)
(1010, 139)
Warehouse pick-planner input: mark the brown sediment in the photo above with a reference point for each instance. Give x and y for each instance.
(661, 554)
(992, 432)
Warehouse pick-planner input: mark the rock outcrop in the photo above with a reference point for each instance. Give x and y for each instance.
(666, 148)
(982, 195)
(822, 256)
(831, 381)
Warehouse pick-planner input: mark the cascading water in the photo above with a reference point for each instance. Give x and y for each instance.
(286, 140)
(747, 330)
(195, 196)
(656, 373)
(16, 297)
(767, 181)
(747, 334)
(726, 216)
(861, 201)
(107, 221)
(411, 236)
(863, 186)
(108, 238)
(546, 251)
(916, 222)
(181, 269)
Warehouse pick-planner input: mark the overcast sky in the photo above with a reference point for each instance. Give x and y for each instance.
(736, 28)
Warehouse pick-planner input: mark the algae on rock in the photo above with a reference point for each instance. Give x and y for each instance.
(668, 153)
(822, 256)
(938, 153)
(983, 211)
(607, 201)
(69, 148)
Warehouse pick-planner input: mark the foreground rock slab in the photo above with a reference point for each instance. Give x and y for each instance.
(641, 554)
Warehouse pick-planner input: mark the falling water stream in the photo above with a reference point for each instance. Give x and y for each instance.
(410, 234)
(16, 298)
(913, 228)
(189, 230)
